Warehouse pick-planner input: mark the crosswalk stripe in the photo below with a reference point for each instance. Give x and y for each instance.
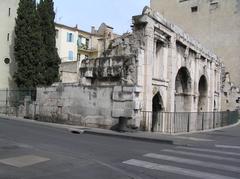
(194, 162)
(228, 146)
(201, 155)
(175, 170)
(209, 150)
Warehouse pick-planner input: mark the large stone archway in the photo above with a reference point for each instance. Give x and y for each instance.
(203, 94)
(157, 107)
(182, 90)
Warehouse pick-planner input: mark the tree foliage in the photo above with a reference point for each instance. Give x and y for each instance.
(51, 59)
(35, 52)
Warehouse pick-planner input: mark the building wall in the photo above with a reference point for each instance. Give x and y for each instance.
(84, 45)
(215, 24)
(7, 40)
(64, 46)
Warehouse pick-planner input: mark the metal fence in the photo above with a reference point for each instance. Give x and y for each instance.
(23, 103)
(11, 101)
(179, 122)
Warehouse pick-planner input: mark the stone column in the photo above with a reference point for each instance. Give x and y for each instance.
(165, 62)
(171, 74)
(172, 68)
(197, 77)
(148, 60)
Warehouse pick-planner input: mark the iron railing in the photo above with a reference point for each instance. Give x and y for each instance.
(12, 100)
(181, 122)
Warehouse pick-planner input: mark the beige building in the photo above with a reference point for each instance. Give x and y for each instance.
(215, 23)
(8, 13)
(74, 45)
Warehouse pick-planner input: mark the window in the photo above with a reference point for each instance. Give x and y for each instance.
(70, 37)
(70, 55)
(87, 43)
(8, 37)
(214, 6)
(83, 42)
(6, 60)
(79, 42)
(9, 12)
(194, 8)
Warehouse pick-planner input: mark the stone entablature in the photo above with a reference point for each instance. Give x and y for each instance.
(118, 69)
(181, 35)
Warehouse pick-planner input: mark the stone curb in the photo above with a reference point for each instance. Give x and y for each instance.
(84, 130)
(124, 136)
(208, 130)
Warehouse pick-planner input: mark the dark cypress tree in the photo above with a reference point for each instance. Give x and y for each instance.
(28, 46)
(50, 57)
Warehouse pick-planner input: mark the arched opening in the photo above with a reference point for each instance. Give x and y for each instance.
(203, 90)
(182, 90)
(157, 107)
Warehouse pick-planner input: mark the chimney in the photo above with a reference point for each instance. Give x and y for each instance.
(93, 31)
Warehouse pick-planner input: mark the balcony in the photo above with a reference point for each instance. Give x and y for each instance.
(86, 48)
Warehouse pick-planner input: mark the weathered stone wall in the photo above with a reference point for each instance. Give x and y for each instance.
(90, 106)
(69, 72)
(157, 68)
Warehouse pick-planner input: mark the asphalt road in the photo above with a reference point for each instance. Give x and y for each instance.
(31, 151)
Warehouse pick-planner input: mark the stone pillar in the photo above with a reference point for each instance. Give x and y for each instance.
(171, 74)
(209, 81)
(172, 68)
(165, 62)
(148, 60)
(197, 77)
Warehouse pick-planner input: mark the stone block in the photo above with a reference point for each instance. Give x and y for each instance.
(137, 105)
(138, 89)
(124, 105)
(97, 120)
(122, 113)
(118, 88)
(123, 96)
(128, 89)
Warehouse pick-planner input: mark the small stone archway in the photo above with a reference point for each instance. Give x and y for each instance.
(182, 90)
(203, 94)
(157, 107)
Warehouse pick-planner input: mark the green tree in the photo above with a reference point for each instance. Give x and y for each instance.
(51, 59)
(28, 46)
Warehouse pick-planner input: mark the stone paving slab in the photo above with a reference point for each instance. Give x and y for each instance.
(23, 161)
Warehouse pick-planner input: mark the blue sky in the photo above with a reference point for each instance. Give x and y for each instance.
(87, 13)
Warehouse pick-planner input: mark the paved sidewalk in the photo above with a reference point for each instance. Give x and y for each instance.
(186, 140)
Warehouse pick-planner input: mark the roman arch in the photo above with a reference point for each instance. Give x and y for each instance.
(182, 90)
(203, 94)
(157, 108)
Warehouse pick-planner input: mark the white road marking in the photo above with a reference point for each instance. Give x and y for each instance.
(228, 146)
(209, 150)
(194, 162)
(175, 170)
(201, 155)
